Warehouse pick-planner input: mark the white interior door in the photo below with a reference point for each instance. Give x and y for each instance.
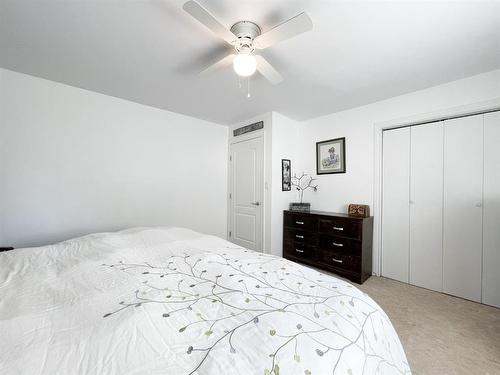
(426, 206)
(395, 203)
(491, 215)
(246, 192)
(462, 232)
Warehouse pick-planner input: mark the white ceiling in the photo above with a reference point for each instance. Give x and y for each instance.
(150, 51)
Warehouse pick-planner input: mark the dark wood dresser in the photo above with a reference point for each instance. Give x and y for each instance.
(334, 242)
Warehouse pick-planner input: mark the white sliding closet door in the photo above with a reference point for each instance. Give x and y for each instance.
(491, 216)
(426, 206)
(462, 235)
(395, 207)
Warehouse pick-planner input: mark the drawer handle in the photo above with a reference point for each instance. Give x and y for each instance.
(338, 228)
(338, 244)
(299, 250)
(337, 260)
(299, 236)
(299, 222)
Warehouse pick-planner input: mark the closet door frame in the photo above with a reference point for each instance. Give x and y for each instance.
(379, 127)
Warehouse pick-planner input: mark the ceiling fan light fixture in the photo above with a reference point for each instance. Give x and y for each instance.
(244, 64)
(245, 37)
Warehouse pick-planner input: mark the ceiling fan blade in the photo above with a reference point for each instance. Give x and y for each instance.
(267, 70)
(203, 16)
(226, 61)
(286, 30)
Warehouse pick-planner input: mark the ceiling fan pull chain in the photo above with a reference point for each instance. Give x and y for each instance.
(248, 87)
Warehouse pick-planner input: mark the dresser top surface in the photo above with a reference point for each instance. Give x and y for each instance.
(326, 213)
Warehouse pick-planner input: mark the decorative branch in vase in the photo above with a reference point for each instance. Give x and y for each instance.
(301, 184)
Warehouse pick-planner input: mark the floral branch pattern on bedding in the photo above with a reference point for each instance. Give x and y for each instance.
(298, 316)
(173, 301)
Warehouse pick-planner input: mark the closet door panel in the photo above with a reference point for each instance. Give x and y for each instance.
(395, 203)
(462, 235)
(426, 206)
(491, 214)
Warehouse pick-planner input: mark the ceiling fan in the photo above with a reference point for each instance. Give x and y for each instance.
(246, 37)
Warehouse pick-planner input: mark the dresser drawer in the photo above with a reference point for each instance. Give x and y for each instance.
(299, 235)
(340, 260)
(339, 226)
(340, 244)
(299, 250)
(300, 221)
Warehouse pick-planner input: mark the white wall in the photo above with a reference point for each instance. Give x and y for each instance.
(336, 191)
(284, 146)
(288, 139)
(74, 162)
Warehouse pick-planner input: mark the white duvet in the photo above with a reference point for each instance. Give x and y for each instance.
(173, 301)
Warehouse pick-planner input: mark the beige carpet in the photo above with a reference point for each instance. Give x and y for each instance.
(440, 334)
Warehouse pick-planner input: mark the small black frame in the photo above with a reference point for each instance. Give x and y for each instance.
(286, 176)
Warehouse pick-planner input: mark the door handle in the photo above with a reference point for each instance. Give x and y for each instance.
(299, 222)
(255, 203)
(299, 250)
(338, 244)
(338, 228)
(299, 236)
(337, 260)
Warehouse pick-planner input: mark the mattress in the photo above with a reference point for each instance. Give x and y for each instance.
(174, 301)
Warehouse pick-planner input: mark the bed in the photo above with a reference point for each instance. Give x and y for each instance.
(174, 301)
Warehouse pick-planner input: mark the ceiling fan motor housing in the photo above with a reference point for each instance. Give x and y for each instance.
(245, 32)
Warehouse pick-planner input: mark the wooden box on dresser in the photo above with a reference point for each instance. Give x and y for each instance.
(334, 242)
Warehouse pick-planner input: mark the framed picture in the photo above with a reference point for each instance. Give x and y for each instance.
(286, 175)
(330, 156)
